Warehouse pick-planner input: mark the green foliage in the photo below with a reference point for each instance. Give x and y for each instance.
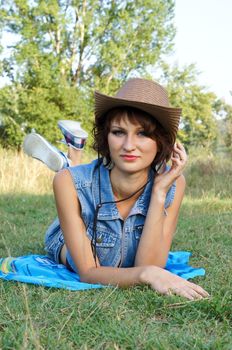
(65, 48)
(224, 111)
(11, 123)
(198, 125)
(10, 133)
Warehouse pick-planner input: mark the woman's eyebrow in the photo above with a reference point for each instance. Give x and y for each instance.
(121, 127)
(117, 127)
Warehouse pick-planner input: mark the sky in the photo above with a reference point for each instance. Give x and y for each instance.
(204, 37)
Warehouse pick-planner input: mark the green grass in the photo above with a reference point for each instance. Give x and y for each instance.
(33, 317)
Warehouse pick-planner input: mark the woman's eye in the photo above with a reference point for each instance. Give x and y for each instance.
(142, 133)
(117, 132)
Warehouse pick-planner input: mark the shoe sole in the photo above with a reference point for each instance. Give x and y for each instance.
(37, 147)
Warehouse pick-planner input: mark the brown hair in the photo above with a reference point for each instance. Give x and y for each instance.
(151, 127)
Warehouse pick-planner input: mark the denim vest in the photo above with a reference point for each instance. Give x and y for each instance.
(117, 239)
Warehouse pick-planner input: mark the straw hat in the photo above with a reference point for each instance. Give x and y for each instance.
(145, 95)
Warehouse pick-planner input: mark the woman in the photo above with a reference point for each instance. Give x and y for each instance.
(117, 215)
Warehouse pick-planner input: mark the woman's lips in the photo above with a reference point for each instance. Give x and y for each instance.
(129, 157)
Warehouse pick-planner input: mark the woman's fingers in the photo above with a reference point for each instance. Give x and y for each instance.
(179, 152)
(189, 292)
(169, 284)
(179, 157)
(185, 292)
(199, 290)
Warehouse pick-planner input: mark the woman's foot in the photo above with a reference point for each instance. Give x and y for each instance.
(74, 135)
(37, 147)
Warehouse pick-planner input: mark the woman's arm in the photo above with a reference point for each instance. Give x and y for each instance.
(78, 244)
(72, 225)
(159, 229)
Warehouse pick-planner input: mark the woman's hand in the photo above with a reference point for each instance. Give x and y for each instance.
(165, 282)
(165, 180)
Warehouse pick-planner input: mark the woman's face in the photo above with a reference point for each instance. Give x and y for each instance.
(130, 149)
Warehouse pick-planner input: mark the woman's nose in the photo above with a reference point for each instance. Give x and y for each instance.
(129, 143)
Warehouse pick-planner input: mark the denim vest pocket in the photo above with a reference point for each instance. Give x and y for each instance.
(54, 241)
(52, 232)
(138, 231)
(105, 241)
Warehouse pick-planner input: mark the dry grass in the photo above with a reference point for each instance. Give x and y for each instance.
(209, 174)
(205, 172)
(21, 174)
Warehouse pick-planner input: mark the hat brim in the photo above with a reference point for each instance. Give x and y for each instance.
(168, 117)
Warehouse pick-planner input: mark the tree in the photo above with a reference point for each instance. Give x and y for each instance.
(224, 113)
(66, 48)
(198, 124)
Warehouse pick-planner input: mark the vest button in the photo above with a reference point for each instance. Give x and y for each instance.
(99, 240)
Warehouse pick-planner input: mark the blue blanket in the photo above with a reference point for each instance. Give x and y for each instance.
(39, 269)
